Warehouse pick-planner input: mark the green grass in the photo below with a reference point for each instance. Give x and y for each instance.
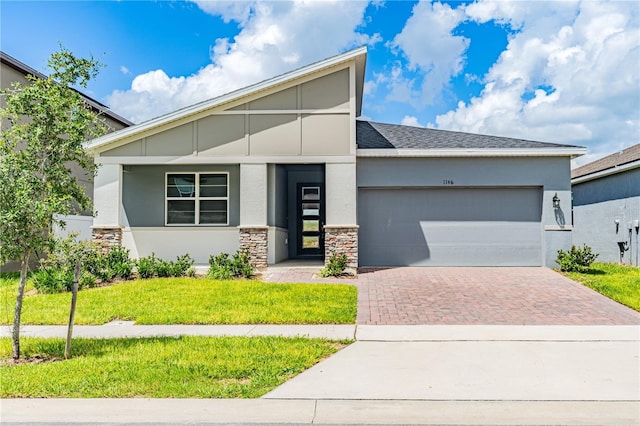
(189, 301)
(620, 283)
(165, 367)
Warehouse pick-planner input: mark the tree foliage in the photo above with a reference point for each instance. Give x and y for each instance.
(45, 123)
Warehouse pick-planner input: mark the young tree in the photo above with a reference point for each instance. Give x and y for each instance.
(46, 123)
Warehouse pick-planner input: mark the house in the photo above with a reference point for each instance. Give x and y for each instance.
(12, 71)
(285, 170)
(606, 206)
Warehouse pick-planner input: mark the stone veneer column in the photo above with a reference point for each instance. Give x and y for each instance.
(253, 239)
(341, 240)
(107, 236)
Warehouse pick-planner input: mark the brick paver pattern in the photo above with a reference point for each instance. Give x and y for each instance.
(475, 296)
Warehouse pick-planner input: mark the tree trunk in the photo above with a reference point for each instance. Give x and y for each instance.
(72, 313)
(15, 334)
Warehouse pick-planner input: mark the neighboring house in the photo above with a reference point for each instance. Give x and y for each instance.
(606, 206)
(284, 170)
(12, 70)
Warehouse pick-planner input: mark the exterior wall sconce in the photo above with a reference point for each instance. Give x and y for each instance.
(557, 211)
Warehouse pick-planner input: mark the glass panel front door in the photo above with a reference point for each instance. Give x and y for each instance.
(310, 220)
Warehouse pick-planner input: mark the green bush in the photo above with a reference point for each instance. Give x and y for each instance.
(119, 263)
(147, 266)
(152, 266)
(576, 260)
(57, 268)
(336, 266)
(52, 281)
(221, 267)
(106, 267)
(87, 280)
(182, 266)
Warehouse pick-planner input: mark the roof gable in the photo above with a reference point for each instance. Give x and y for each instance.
(220, 103)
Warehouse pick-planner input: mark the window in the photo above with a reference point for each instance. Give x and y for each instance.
(197, 199)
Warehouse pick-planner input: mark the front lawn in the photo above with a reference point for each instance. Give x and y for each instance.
(162, 367)
(617, 282)
(189, 301)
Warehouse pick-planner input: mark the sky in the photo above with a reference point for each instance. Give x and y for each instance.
(553, 71)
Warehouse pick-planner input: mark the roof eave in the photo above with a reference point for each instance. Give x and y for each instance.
(607, 172)
(571, 152)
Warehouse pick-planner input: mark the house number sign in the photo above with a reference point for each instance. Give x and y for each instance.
(447, 181)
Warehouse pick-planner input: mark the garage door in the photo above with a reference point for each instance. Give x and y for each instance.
(450, 227)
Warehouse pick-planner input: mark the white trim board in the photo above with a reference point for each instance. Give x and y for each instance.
(464, 152)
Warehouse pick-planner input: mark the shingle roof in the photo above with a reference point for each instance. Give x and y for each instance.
(625, 156)
(370, 135)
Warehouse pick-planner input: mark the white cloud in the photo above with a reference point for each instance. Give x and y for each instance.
(430, 47)
(233, 10)
(409, 120)
(274, 37)
(124, 70)
(569, 75)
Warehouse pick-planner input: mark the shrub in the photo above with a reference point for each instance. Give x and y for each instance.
(240, 265)
(336, 266)
(576, 260)
(221, 267)
(87, 280)
(147, 266)
(163, 268)
(119, 263)
(114, 264)
(57, 269)
(52, 281)
(182, 266)
(152, 266)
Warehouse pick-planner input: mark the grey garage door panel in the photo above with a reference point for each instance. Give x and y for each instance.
(455, 244)
(408, 227)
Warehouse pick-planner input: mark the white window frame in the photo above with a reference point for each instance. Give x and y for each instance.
(196, 198)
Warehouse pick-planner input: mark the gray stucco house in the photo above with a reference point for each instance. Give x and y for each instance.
(285, 170)
(606, 206)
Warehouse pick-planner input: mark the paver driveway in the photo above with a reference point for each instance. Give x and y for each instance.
(474, 296)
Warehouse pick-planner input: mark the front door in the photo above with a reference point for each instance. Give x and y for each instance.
(310, 212)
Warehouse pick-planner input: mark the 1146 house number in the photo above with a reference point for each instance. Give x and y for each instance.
(447, 181)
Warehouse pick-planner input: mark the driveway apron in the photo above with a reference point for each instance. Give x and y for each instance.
(479, 334)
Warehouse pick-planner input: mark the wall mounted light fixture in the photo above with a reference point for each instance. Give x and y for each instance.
(556, 201)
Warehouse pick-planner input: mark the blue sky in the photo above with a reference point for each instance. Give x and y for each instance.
(560, 71)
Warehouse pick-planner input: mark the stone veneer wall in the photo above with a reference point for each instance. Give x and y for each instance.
(107, 236)
(341, 240)
(254, 240)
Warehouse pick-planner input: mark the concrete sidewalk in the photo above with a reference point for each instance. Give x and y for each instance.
(344, 412)
(129, 329)
(382, 333)
(399, 375)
